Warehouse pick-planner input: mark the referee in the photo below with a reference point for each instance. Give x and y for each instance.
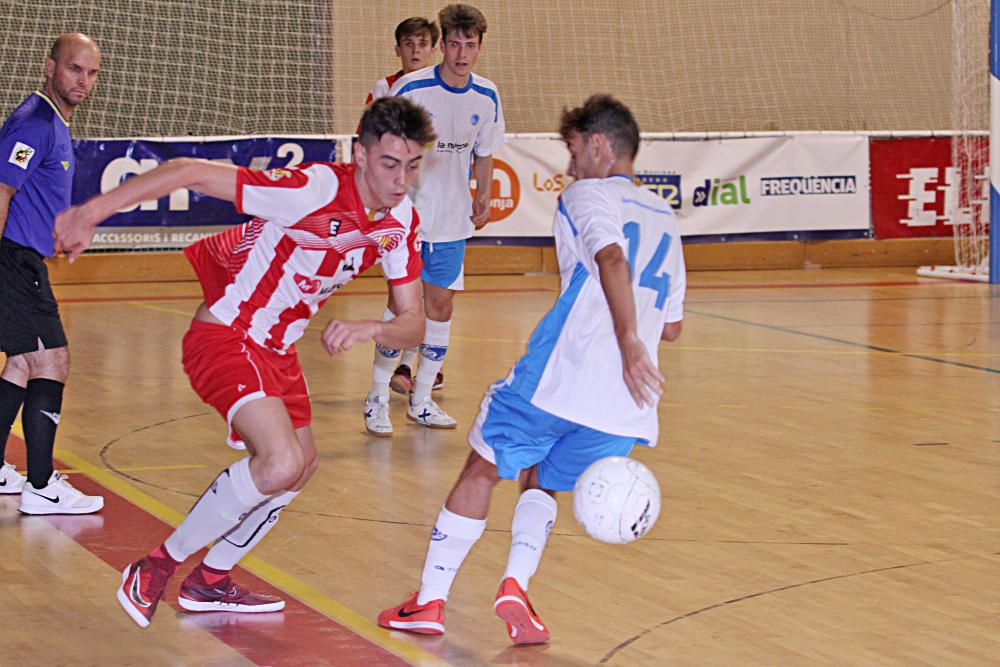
(36, 179)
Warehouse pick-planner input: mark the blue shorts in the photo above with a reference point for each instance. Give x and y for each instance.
(514, 435)
(444, 264)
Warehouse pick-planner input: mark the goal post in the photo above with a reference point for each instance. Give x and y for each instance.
(994, 245)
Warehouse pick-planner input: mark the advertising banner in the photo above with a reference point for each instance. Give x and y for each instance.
(717, 187)
(728, 186)
(184, 216)
(917, 191)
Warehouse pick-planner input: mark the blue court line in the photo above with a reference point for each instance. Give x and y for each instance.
(841, 341)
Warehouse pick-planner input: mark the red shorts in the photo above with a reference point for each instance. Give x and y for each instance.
(228, 370)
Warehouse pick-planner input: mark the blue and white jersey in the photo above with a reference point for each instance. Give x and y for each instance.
(36, 159)
(573, 367)
(468, 121)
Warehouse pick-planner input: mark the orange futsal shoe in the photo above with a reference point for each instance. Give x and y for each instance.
(425, 619)
(514, 609)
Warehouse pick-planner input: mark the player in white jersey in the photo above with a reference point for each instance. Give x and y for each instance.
(588, 385)
(469, 123)
(316, 227)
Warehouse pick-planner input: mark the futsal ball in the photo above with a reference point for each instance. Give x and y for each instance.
(616, 500)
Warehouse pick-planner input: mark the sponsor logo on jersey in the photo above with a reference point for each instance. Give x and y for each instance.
(65, 164)
(306, 284)
(451, 147)
(21, 155)
(505, 190)
(334, 227)
(277, 174)
(666, 185)
(475, 119)
(779, 186)
(722, 192)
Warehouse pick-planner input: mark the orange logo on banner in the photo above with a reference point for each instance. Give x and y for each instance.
(505, 191)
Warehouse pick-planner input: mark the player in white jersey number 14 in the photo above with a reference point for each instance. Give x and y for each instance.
(588, 385)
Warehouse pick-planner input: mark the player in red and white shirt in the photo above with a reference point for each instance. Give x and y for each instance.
(416, 42)
(315, 227)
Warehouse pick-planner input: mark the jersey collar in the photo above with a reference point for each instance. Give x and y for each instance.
(451, 89)
(54, 106)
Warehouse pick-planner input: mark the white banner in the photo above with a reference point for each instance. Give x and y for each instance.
(726, 186)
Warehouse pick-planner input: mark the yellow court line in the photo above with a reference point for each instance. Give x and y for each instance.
(162, 309)
(292, 585)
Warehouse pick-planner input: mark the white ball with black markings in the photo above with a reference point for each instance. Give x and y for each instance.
(616, 500)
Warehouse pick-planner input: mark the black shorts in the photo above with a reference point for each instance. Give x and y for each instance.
(28, 309)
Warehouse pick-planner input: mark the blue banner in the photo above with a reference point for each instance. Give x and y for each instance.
(101, 165)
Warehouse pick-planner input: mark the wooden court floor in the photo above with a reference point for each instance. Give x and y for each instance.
(829, 460)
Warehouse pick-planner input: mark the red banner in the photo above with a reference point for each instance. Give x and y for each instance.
(916, 191)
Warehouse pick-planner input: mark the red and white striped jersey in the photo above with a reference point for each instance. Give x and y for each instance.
(310, 235)
(381, 87)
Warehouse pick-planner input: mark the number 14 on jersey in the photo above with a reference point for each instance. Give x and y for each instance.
(652, 276)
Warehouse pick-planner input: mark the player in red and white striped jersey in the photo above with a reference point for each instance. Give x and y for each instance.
(315, 227)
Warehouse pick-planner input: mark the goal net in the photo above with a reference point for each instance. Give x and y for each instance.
(183, 67)
(968, 200)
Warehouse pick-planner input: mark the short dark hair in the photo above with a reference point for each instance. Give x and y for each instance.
(464, 19)
(603, 114)
(397, 116)
(416, 25)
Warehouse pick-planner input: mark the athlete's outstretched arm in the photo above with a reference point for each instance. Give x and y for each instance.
(75, 226)
(405, 330)
(641, 376)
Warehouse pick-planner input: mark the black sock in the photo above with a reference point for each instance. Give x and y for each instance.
(42, 404)
(11, 398)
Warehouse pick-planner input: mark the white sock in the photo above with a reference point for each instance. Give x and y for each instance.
(386, 360)
(450, 542)
(219, 509)
(432, 352)
(529, 531)
(234, 545)
(409, 357)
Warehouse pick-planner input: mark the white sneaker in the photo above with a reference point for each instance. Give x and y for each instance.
(57, 497)
(377, 415)
(427, 413)
(11, 480)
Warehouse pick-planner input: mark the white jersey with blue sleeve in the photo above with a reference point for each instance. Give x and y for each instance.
(468, 121)
(573, 367)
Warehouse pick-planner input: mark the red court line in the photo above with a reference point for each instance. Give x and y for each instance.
(298, 635)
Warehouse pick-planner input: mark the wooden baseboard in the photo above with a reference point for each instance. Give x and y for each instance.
(497, 260)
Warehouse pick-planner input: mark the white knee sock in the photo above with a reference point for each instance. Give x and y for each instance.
(450, 542)
(232, 495)
(238, 542)
(409, 357)
(529, 531)
(386, 360)
(432, 352)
